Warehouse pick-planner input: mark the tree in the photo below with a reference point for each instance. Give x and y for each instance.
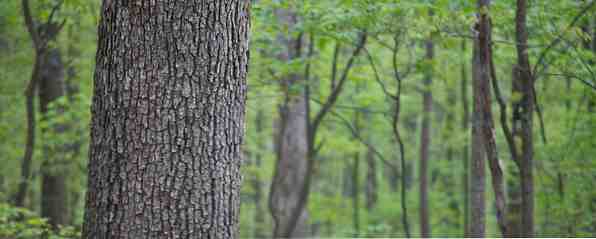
(427, 99)
(167, 119)
(483, 118)
(523, 111)
(291, 139)
(54, 197)
(477, 162)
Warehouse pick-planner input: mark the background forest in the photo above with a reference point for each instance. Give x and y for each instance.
(369, 103)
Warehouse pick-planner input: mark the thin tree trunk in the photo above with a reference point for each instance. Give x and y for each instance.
(355, 196)
(425, 229)
(525, 120)
(168, 120)
(483, 102)
(371, 180)
(465, 148)
(477, 165)
(39, 46)
(259, 216)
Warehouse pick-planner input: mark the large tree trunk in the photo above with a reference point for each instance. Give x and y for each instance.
(168, 120)
(523, 112)
(292, 145)
(425, 145)
(54, 193)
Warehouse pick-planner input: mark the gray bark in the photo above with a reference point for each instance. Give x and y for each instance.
(167, 120)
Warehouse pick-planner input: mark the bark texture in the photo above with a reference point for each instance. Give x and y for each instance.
(167, 119)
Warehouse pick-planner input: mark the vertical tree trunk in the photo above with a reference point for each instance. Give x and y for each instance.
(292, 144)
(477, 165)
(355, 196)
(168, 120)
(259, 216)
(465, 148)
(425, 145)
(54, 193)
(371, 180)
(482, 101)
(524, 119)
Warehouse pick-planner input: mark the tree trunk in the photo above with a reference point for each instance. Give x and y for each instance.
(465, 147)
(477, 165)
(482, 101)
(371, 180)
(523, 120)
(54, 193)
(292, 144)
(425, 145)
(168, 120)
(355, 196)
(259, 216)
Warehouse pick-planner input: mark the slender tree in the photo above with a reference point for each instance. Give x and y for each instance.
(465, 148)
(167, 119)
(523, 111)
(482, 104)
(427, 99)
(477, 227)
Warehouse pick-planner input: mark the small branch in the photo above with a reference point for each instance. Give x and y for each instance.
(337, 90)
(558, 39)
(355, 132)
(503, 109)
(377, 77)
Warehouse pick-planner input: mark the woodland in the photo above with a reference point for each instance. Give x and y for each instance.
(297, 119)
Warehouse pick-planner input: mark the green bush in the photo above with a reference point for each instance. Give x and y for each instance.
(19, 223)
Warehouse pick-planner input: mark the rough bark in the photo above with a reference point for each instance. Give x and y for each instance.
(167, 120)
(425, 144)
(523, 120)
(292, 144)
(54, 193)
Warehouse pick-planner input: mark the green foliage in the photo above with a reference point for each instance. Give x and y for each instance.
(20, 223)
